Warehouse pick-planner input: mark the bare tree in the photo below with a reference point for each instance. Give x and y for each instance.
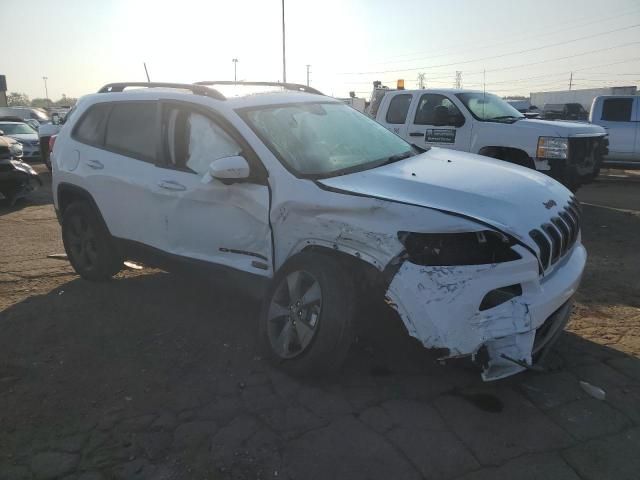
(16, 99)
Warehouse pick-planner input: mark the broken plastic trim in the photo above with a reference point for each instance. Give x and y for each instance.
(468, 248)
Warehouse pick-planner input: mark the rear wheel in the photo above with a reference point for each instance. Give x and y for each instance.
(306, 323)
(89, 246)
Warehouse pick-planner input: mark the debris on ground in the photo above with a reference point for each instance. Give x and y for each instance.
(595, 392)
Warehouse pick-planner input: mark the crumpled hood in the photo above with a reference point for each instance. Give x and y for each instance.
(506, 196)
(560, 128)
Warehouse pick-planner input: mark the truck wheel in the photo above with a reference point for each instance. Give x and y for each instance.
(307, 317)
(89, 246)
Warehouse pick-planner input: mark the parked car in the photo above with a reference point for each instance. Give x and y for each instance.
(27, 136)
(17, 178)
(315, 207)
(620, 116)
(564, 111)
(25, 113)
(483, 123)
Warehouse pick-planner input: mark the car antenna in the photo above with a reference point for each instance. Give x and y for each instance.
(146, 71)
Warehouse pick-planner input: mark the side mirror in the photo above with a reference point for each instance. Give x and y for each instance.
(1, 133)
(229, 168)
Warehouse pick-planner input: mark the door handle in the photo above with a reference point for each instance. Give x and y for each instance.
(95, 164)
(416, 134)
(171, 185)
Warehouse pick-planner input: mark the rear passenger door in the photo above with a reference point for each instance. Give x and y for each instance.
(117, 160)
(438, 122)
(618, 119)
(222, 223)
(396, 117)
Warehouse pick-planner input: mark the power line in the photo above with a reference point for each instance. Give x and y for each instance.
(511, 40)
(519, 52)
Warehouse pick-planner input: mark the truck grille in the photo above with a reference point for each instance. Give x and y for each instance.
(556, 237)
(585, 150)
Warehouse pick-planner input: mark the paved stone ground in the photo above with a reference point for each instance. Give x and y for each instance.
(157, 376)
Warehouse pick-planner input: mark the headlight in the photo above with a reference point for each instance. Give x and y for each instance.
(469, 248)
(23, 166)
(16, 149)
(552, 147)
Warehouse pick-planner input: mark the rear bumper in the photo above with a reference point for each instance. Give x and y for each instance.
(440, 306)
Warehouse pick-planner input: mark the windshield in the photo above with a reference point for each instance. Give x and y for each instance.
(16, 128)
(488, 107)
(325, 139)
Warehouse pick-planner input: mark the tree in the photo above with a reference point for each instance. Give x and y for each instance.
(40, 102)
(16, 99)
(65, 101)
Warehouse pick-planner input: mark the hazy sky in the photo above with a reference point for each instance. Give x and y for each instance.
(82, 44)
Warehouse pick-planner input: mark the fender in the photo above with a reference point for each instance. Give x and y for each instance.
(67, 193)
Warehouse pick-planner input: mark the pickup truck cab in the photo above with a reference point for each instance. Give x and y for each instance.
(483, 123)
(619, 115)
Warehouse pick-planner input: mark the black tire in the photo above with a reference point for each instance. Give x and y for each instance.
(89, 246)
(334, 328)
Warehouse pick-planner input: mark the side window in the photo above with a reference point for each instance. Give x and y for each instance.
(132, 130)
(90, 128)
(617, 109)
(398, 108)
(438, 110)
(194, 141)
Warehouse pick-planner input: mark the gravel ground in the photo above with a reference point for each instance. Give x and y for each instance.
(155, 375)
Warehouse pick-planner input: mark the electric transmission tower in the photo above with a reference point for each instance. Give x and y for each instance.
(421, 81)
(458, 79)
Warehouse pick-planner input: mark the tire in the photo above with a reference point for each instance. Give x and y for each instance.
(310, 338)
(89, 246)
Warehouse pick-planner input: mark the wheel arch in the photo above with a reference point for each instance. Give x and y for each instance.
(508, 154)
(68, 193)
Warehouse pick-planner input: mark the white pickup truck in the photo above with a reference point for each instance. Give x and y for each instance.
(620, 117)
(483, 123)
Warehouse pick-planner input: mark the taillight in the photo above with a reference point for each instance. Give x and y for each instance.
(52, 142)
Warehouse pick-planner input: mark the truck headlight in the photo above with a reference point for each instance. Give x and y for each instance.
(468, 248)
(552, 147)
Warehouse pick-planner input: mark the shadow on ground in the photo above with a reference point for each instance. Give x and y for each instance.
(158, 376)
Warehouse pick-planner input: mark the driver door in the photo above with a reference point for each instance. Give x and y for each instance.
(437, 122)
(206, 219)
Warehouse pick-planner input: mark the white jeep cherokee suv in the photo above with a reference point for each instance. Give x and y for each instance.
(318, 205)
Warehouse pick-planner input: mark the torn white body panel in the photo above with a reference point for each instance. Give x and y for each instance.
(440, 306)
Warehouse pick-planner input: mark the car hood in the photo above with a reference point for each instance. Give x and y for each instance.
(560, 128)
(511, 198)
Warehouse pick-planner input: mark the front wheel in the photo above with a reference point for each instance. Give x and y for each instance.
(306, 323)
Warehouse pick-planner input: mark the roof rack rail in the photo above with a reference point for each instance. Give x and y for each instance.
(288, 86)
(196, 89)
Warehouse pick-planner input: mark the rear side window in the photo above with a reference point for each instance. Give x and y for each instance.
(398, 108)
(90, 128)
(617, 109)
(132, 130)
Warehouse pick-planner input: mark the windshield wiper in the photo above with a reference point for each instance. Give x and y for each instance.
(398, 157)
(506, 117)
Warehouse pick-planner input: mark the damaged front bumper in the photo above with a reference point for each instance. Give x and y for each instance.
(443, 308)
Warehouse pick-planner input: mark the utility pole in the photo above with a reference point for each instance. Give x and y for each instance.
(570, 80)
(308, 66)
(46, 91)
(421, 84)
(284, 53)
(235, 71)
(458, 79)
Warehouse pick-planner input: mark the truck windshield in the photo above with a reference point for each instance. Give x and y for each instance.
(488, 107)
(320, 140)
